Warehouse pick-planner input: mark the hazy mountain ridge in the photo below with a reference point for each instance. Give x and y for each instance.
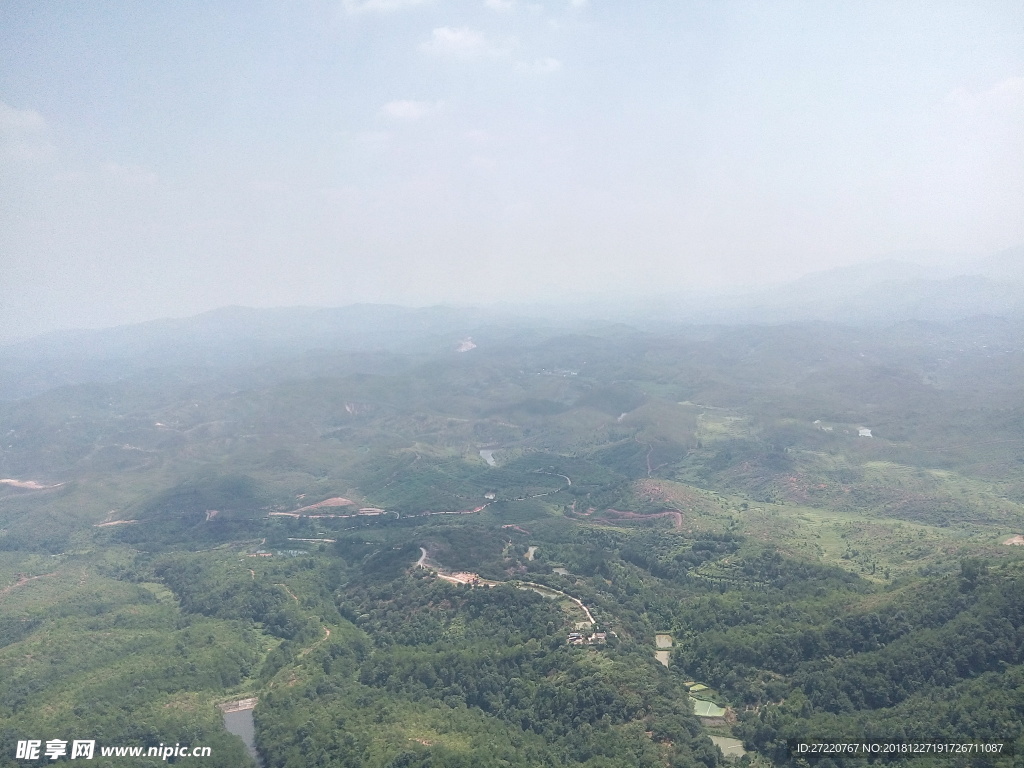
(241, 337)
(884, 292)
(879, 293)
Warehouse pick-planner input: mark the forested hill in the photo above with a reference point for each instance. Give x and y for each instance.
(503, 545)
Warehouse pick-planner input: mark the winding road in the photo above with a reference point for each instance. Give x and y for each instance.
(541, 589)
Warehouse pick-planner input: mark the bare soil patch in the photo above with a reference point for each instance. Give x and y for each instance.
(337, 501)
(22, 581)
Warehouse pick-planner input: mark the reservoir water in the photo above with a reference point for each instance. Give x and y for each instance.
(239, 722)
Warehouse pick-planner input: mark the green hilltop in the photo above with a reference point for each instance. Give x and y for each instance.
(415, 556)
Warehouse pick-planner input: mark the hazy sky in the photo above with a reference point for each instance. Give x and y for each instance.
(166, 158)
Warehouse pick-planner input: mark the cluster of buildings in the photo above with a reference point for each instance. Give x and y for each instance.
(594, 638)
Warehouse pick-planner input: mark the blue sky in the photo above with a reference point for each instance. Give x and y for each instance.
(164, 159)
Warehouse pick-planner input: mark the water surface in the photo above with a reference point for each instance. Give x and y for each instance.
(240, 723)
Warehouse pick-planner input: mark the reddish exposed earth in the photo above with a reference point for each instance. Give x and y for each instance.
(337, 501)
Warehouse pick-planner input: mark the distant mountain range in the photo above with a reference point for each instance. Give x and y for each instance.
(233, 337)
(873, 293)
(892, 291)
(878, 293)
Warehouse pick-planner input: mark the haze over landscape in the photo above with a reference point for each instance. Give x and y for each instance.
(508, 384)
(167, 160)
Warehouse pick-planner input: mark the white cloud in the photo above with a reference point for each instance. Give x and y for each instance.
(463, 43)
(987, 117)
(540, 66)
(500, 5)
(1008, 93)
(451, 41)
(379, 6)
(405, 109)
(24, 136)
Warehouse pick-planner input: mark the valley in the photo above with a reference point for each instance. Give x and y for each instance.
(340, 537)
